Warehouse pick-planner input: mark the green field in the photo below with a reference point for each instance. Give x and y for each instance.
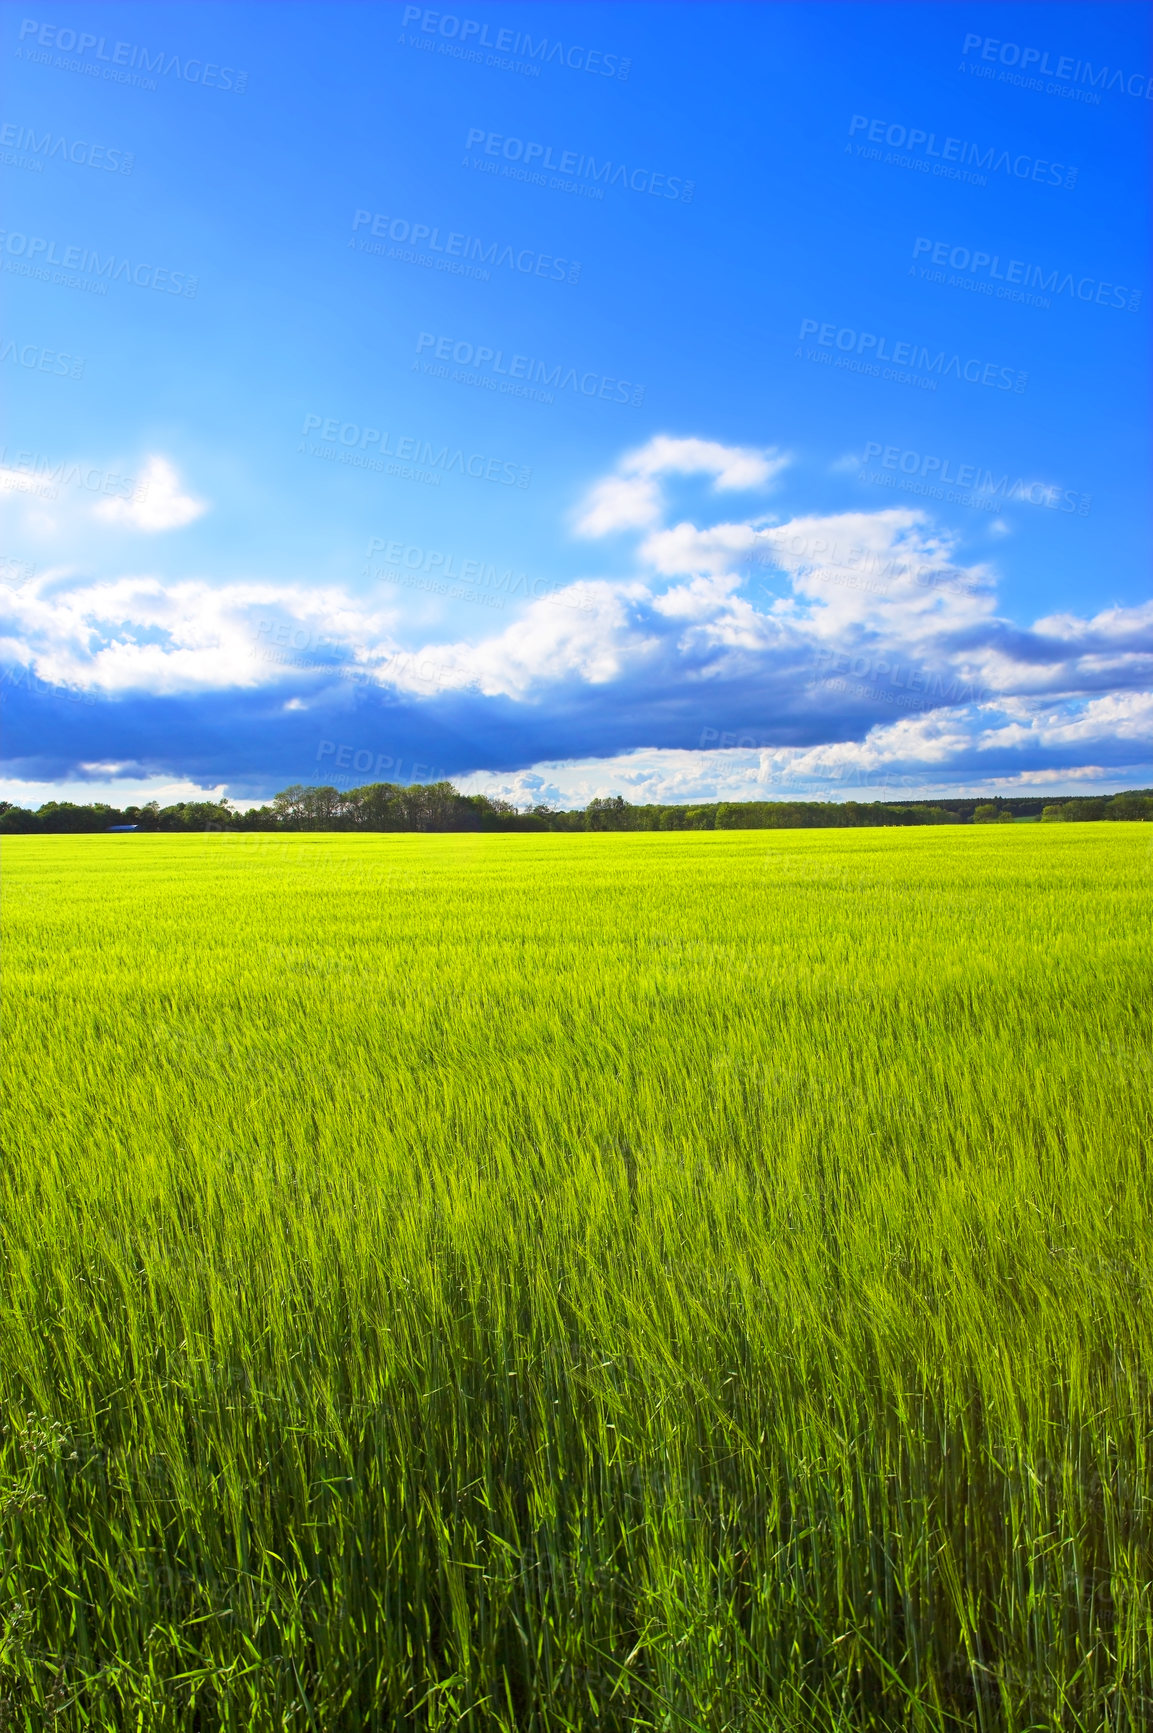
(673, 1281)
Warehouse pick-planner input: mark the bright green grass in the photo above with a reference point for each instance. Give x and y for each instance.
(690, 1281)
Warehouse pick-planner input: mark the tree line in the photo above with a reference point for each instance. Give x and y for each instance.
(439, 806)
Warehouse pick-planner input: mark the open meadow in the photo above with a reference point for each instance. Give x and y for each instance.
(687, 1281)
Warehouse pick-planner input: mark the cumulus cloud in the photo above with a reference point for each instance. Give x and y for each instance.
(620, 502)
(116, 784)
(829, 650)
(141, 634)
(45, 500)
(157, 503)
(881, 769)
(633, 499)
(1119, 716)
(1024, 780)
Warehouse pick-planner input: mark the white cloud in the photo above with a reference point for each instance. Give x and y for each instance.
(45, 501)
(1111, 625)
(141, 634)
(31, 484)
(683, 776)
(1116, 716)
(1024, 780)
(620, 503)
(157, 503)
(733, 466)
(547, 646)
(109, 784)
(631, 499)
(855, 643)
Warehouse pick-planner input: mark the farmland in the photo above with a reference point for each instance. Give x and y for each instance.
(677, 1280)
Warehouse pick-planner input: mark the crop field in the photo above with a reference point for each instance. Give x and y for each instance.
(685, 1281)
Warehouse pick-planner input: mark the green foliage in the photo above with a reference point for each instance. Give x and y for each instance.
(438, 806)
(824, 815)
(533, 1283)
(609, 813)
(63, 816)
(1120, 807)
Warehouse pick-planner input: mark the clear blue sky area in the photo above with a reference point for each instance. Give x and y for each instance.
(685, 401)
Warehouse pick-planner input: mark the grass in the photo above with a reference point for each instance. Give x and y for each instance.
(686, 1281)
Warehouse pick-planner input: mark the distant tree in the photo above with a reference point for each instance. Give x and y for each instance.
(301, 808)
(193, 815)
(607, 812)
(1087, 811)
(935, 815)
(145, 817)
(439, 806)
(1129, 807)
(17, 820)
(65, 817)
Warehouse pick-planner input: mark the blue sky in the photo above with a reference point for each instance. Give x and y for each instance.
(685, 401)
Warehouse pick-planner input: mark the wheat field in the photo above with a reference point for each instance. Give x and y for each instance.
(664, 1281)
